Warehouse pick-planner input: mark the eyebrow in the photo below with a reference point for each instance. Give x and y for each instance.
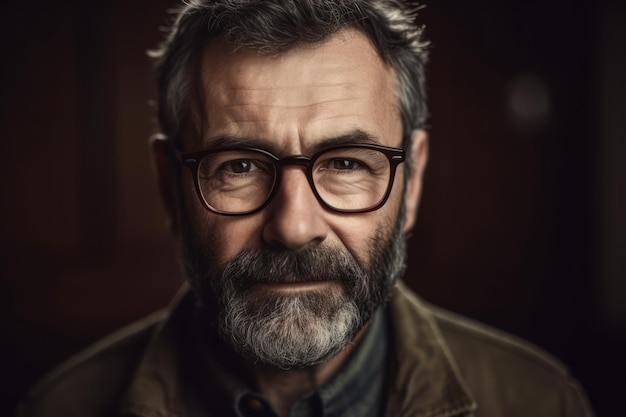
(356, 136)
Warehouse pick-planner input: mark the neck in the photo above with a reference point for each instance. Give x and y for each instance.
(284, 388)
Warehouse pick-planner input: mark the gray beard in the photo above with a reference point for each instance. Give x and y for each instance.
(291, 331)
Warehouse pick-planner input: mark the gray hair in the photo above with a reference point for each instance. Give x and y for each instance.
(272, 27)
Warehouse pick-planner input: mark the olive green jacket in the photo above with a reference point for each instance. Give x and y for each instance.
(444, 365)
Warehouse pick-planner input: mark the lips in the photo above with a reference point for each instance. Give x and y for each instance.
(291, 284)
(297, 286)
(289, 279)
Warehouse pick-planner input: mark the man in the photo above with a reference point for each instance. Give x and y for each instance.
(291, 164)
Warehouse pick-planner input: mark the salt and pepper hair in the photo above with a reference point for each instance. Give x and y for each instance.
(274, 27)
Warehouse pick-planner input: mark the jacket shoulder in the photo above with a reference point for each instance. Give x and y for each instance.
(92, 382)
(506, 373)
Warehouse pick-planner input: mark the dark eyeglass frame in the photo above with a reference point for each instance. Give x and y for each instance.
(192, 160)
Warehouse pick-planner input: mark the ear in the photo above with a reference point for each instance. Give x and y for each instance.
(419, 157)
(165, 173)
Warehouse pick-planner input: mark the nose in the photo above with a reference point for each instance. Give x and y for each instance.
(295, 217)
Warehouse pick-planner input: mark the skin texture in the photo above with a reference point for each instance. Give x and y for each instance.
(293, 104)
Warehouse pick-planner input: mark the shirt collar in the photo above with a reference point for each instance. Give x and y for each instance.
(358, 389)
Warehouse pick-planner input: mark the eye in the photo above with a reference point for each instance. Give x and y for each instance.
(240, 166)
(344, 164)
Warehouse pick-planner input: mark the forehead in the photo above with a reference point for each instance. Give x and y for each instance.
(292, 101)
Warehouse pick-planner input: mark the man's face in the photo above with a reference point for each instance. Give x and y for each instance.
(294, 282)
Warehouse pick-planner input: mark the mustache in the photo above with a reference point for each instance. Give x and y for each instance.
(269, 265)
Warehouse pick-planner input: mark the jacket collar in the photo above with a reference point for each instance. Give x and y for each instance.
(155, 390)
(425, 379)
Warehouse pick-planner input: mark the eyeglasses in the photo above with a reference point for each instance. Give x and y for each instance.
(348, 178)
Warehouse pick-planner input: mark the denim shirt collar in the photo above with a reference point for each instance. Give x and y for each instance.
(359, 387)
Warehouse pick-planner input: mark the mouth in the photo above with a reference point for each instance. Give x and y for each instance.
(296, 287)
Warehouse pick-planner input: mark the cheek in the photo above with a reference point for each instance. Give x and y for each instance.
(356, 232)
(227, 235)
(234, 234)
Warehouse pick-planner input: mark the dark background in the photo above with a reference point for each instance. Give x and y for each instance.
(522, 223)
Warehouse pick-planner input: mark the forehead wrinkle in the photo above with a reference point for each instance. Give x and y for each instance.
(277, 125)
(317, 85)
(288, 97)
(304, 115)
(288, 106)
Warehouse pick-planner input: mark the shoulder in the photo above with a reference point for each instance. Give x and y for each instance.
(505, 374)
(92, 382)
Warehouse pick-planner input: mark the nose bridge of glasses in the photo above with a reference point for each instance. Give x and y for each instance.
(300, 160)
